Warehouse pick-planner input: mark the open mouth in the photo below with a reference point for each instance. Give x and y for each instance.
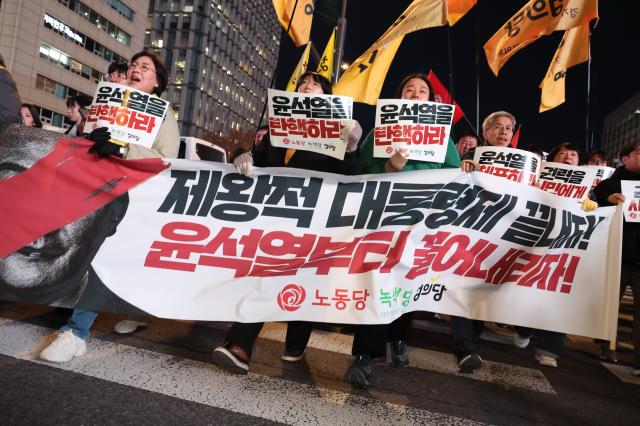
(135, 79)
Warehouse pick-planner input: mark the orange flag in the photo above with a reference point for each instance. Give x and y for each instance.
(301, 26)
(573, 50)
(536, 19)
(456, 9)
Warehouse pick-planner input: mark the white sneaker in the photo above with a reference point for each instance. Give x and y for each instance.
(128, 326)
(547, 361)
(66, 346)
(521, 342)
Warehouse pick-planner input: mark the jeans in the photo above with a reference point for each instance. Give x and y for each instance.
(80, 323)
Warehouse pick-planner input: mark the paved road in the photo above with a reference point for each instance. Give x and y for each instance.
(162, 375)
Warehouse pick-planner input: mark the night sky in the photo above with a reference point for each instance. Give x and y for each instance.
(614, 79)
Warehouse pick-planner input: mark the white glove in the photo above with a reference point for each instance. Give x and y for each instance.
(244, 164)
(350, 133)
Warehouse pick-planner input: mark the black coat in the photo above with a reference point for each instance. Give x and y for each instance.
(630, 230)
(266, 155)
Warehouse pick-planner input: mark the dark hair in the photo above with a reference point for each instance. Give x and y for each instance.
(2, 63)
(263, 127)
(405, 80)
(162, 76)
(564, 146)
(323, 81)
(117, 66)
(468, 133)
(532, 148)
(596, 152)
(83, 101)
(34, 113)
(628, 148)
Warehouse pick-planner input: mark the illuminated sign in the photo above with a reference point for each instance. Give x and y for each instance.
(61, 27)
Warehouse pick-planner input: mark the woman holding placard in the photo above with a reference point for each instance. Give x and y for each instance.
(235, 355)
(412, 87)
(148, 74)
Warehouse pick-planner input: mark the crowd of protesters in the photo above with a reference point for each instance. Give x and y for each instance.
(147, 73)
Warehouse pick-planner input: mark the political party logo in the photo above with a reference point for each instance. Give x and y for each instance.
(291, 297)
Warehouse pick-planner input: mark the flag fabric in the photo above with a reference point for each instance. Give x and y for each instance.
(536, 19)
(325, 67)
(442, 95)
(364, 83)
(516, 136)
(364, 78)
(301, 68)
(300, 29)
(456, 9)
(573, 50)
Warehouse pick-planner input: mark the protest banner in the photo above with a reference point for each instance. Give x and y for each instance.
(199, 241)
(509, 163)
(308, 122)
(565, 180)
(602, 173)
(130, 115)
(631, 206)
(421, 127)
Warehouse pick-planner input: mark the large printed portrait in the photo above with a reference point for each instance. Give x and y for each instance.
(55, 268)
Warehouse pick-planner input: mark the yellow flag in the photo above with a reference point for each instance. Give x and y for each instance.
(364, 84)
(301, 25)
(536, 19)
(325, 67)
(456, 9)
(573, 50)
(363, 79)
(301, 68)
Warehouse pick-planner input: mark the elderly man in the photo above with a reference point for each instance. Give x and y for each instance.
(497, 130)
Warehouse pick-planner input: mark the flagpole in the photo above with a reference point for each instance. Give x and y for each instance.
(275, 72)
(477, 68)
(450, 49)
(588, 144)
(341, 32)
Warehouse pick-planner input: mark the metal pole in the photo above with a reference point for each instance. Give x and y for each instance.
(589, 143)
(341, 33)
(478, 69)
(275, 71)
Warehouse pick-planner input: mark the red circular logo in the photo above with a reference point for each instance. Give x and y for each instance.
(389, 150)
(286, 141)
(291, 297)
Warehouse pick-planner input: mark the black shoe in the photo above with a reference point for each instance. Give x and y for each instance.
(607, 354)
(293, 355)
(360, 372)
(399, 356)
(230, 361)
(469, 363)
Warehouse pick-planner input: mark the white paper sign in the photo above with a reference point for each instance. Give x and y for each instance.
(566, 180)
(421, 127)
(513, 164)
(130, 115)
(308, 122)
(631, 207)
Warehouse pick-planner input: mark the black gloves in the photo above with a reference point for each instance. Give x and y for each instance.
(102, 146)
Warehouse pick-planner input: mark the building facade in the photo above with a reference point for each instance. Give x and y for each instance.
(59, 48)
(621, 126)
(221, 55)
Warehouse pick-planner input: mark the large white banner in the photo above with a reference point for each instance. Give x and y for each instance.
(201, 242)
(421, 127)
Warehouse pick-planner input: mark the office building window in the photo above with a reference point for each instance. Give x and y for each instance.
(65, 61)
(98, 20)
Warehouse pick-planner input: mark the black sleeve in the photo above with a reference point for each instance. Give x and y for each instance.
(349, 166)
(260, 151)
(604, 189)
